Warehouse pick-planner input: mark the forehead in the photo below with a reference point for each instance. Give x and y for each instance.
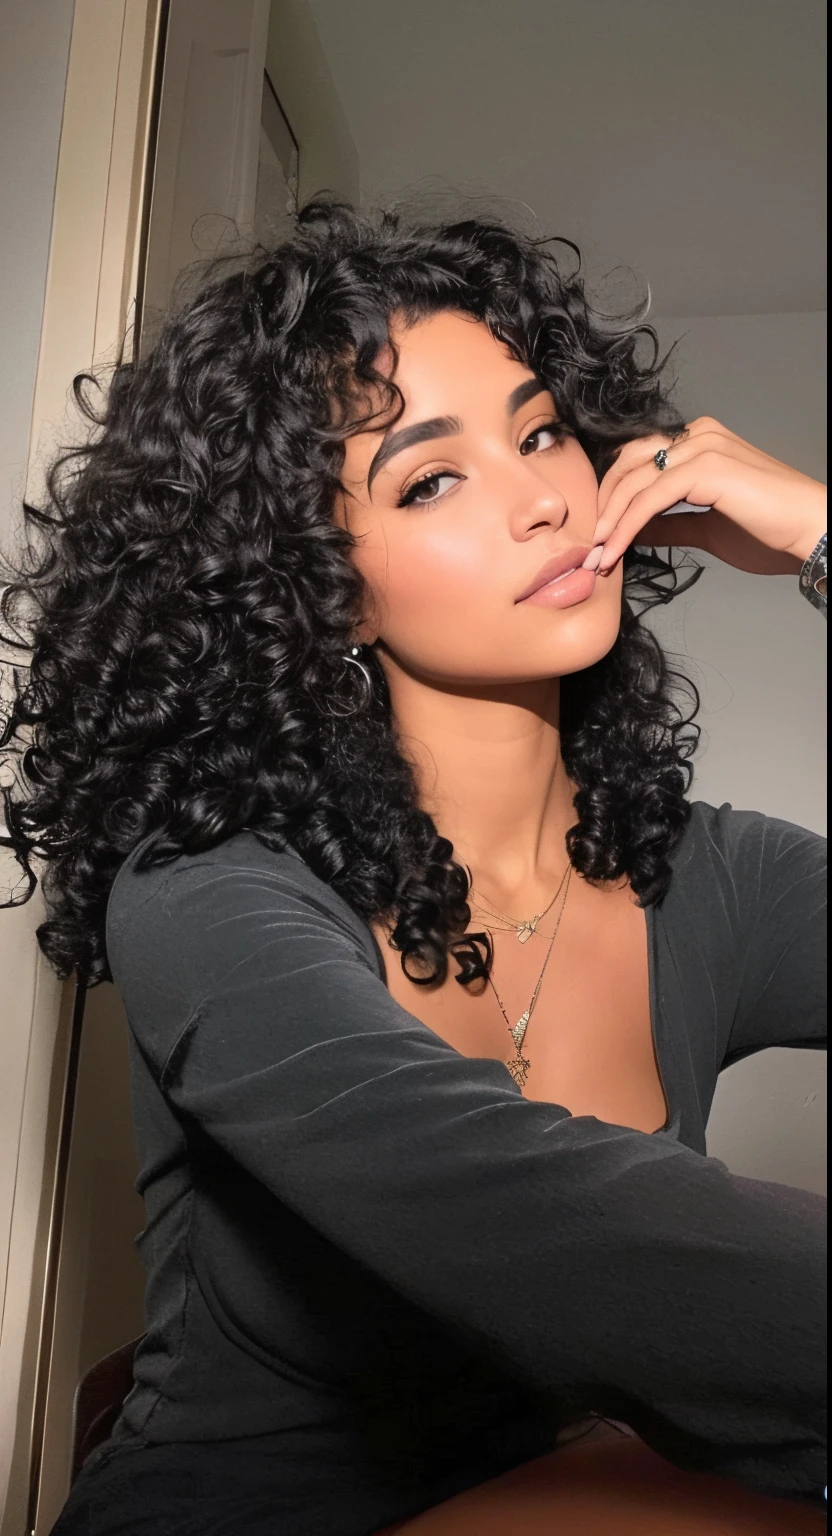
(447, 363)
(451, 350)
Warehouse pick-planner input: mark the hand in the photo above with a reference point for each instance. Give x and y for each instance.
(766, 517)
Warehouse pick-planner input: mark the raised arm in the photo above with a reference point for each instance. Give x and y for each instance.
(585, 1257)
(748, 509)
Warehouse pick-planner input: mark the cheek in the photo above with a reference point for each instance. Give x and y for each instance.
(422, 571)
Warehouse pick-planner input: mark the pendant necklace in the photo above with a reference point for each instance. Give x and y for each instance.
(523, 928)
(519, 1066)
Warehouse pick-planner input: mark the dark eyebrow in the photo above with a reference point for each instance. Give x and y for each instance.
(443, 426)
(421, 432)
(524, 392)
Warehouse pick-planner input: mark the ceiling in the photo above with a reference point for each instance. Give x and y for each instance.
(685, 141)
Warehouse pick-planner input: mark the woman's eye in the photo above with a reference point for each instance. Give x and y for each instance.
(545, 437)
(425, 491)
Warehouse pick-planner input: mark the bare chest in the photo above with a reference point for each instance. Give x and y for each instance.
(589, 1040)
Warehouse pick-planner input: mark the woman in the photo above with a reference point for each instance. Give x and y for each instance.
(355, 771)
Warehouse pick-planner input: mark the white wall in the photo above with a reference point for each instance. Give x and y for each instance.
(756, 649)
(301, 76)
(686, 140)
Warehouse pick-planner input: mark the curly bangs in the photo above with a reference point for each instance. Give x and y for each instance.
(188, 598)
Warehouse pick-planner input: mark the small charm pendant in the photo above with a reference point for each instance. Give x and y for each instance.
(519, 1069)
(525, 931)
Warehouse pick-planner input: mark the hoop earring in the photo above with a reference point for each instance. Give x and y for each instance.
(353, 657)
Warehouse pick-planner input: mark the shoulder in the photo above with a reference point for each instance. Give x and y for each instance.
(726, 838)
(737, 856)
(189, 919)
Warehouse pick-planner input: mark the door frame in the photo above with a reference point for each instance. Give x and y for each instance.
(92, 302)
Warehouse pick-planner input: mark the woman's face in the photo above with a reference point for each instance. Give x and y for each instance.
(467, 510)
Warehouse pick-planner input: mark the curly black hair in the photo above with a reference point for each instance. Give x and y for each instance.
(187, 598)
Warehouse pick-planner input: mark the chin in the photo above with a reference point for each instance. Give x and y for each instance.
(582, 636)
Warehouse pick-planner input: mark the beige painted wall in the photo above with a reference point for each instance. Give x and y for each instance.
(757, 651)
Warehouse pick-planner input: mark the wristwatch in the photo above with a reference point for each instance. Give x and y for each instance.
(813, 577)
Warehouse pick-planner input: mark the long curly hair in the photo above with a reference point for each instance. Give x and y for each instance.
(187, 598)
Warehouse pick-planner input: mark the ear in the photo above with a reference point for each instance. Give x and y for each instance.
(368, 629)
(366, 633)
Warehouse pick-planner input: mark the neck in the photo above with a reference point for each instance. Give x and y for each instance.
(489, 771)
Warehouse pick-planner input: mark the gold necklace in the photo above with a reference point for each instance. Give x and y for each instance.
(523, 928)
(519, 1066)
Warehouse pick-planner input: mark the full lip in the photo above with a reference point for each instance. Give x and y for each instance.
(559, 565)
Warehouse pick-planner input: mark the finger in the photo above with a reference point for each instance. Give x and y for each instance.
(621, 496)
(711, 442)
(704, 424)
(633, 456)
(696, 456)
(651, 501)
(642, 451)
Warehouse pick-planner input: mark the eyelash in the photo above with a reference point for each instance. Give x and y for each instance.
(558, 428)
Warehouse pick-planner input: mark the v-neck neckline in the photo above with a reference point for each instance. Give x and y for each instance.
(656, 1032)
(670, 1126)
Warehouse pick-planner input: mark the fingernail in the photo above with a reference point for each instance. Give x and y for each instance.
(593, 559)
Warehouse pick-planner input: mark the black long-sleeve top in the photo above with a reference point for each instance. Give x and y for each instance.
(379, 1275)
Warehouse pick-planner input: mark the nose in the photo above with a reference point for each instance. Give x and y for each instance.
(536, 503)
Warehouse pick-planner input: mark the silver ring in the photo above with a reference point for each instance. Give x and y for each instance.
(662, 458)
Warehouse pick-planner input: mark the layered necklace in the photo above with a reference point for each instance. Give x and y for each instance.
(522, 927)
(519, 1066)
